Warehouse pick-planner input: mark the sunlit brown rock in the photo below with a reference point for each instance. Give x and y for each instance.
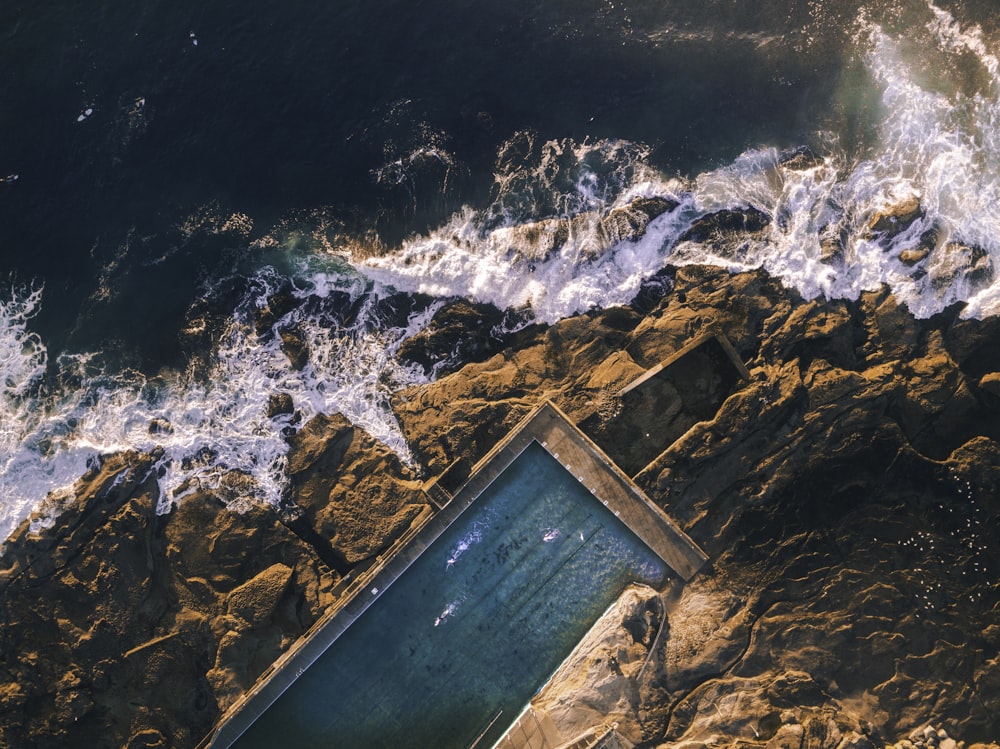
(846, 493)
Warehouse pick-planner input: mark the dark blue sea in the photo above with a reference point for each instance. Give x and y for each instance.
(181, 183)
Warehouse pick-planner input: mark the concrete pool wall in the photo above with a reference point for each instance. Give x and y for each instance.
(546, 426)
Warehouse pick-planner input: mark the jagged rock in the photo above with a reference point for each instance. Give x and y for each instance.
(614, 372)
(459, 332)
(160, 426)
(537, 241)
(628, 224)
(350, 488)
(895, 218)
(256, 599)
(320, 445)
(925, 246)
(955, 260)
(280, 404)
(279, 304)
(831, 249)
(913, 255)
(799, 160)
(722, 224)
(295, 348)
(590, 233)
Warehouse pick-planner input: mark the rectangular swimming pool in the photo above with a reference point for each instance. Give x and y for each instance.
(473, 628)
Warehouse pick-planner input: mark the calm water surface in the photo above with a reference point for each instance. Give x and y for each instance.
(473, 627)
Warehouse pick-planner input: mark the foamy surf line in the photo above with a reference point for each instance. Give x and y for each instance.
(210, 429)
(938, 148)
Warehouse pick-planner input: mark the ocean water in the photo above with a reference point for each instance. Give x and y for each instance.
(180, 184)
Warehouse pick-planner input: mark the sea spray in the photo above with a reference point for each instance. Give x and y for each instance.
(552, 264)
(212, 426)
(31, 428)
(543, 245)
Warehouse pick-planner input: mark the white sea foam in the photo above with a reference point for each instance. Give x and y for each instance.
(520, 264)
(938, 142)
(29, 435)
(210, 428)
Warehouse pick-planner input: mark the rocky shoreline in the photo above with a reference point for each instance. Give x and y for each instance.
(848, 494)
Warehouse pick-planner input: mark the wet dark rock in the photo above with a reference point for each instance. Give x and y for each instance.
(831, 250)
(459, 332)
(721, 225)
(538, 241)
(591, 233)
(279, 404)
(991, 383)
(160, 426)
(925, 246)
(652, 291)
(956, 260)
(394, 310)
(799, 160)
(913, 255)
(279, 304)
(629, 223)
(295, 348)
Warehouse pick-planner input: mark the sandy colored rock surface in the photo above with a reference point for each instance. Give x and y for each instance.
(125, 628)
(847, 494)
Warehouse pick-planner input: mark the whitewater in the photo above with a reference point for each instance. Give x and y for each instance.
(541, 248)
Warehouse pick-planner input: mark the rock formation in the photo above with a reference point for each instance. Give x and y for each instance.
(847, 494)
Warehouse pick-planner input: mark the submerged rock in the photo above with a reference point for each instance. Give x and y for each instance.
(913, 255)
(799, 160)
(956, 261)
(589, 233)
(280, 404)
(831, 244)
(629, 223)
(721, 225)
(295, 348)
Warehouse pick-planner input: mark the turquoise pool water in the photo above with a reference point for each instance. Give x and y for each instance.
(475, 626)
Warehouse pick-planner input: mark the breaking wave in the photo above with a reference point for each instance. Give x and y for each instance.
(213, 427)
(564, 252)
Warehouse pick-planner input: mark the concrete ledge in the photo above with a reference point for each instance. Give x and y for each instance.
(695, 343)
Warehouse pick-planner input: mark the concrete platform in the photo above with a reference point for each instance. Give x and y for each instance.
(581, 456)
